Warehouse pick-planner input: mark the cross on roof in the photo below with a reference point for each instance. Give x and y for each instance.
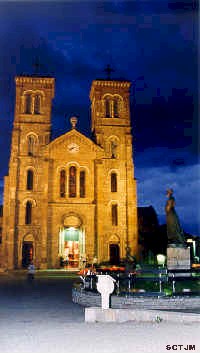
(36, 65)
(108, 71)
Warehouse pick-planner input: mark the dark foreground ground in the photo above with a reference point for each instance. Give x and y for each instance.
(40, 317)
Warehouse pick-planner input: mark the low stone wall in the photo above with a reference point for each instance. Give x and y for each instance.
(91, 299)
(138, 315)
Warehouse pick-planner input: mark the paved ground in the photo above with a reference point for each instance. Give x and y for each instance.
(40, 317)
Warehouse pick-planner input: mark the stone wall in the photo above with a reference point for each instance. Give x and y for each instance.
(90, 299)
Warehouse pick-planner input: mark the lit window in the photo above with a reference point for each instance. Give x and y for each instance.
(72, 181)
(62, 183)
(82, 183)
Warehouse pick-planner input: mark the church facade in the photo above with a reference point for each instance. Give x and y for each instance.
(72, 197)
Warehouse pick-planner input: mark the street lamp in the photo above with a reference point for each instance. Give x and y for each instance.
(161, 260)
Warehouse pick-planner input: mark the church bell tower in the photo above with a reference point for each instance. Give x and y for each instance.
(25, 190)
(111, 129)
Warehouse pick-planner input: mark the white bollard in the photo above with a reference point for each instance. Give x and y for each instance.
(105, 287)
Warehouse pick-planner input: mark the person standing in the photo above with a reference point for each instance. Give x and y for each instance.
(31, 271)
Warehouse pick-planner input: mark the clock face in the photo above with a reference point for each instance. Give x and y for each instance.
(73, 147)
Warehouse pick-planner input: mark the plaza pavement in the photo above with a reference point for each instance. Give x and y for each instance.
(40, 317)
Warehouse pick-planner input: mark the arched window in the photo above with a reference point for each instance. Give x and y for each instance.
(72, 181)
(28, 215)
(114, 215)
(28, 103)
(29, 180)
(116, 108)
(37, 104)
(82, 183)
(113, 146)
(113, 182)
(31, 142)
(62, 183)
(108, 108)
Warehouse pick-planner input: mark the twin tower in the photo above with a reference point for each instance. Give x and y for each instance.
(72, 197)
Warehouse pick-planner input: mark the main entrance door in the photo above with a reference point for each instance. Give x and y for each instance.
(114, 254)
(71, 246)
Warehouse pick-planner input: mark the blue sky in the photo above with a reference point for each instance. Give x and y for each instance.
(75, 40)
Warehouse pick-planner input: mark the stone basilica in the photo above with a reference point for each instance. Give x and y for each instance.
(71, 197)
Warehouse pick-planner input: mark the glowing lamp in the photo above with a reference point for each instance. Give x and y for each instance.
(161, 259)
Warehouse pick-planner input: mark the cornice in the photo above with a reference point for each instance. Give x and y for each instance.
(34, 80)
(111, 83)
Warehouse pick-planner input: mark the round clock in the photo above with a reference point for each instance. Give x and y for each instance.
(73, 147)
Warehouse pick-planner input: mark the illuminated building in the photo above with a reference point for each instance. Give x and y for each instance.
(73, 196)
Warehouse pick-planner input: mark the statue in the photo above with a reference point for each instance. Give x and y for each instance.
(175, 233)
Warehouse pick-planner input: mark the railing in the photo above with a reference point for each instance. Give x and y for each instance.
(160, 280)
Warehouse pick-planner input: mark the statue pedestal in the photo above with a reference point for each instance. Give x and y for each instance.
(178, 258)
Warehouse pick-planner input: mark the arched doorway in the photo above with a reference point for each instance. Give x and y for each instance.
(114, 254)
(27, 250)
(71, 242)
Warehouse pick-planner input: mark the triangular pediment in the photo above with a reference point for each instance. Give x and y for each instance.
(74, 137)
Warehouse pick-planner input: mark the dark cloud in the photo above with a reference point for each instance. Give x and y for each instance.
(75, 40)
(175, 159)
(171, 124)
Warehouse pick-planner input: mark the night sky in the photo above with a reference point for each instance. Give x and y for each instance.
(156, 40)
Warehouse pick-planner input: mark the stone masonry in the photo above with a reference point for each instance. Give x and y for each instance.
(39, 212)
